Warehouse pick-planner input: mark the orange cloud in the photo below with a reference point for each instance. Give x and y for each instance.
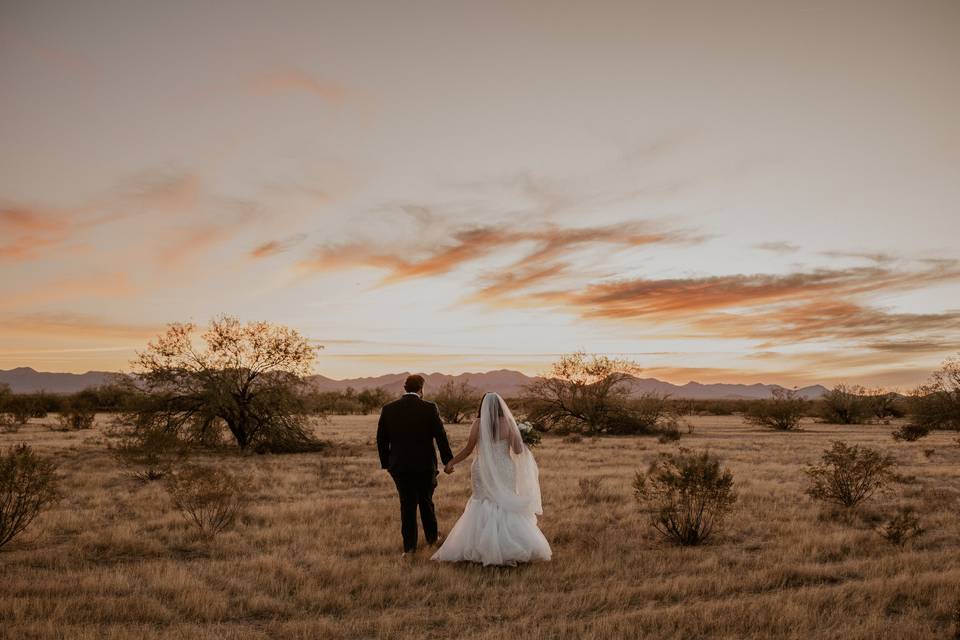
(471, 244)
(72, 326)
(25, 232)
(103, 285)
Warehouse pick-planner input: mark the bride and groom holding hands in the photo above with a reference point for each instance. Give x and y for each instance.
(499, 524)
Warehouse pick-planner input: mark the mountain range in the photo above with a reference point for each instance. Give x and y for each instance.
(506, 382)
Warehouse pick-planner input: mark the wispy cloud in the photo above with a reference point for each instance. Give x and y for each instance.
(550, 243)
(292, 79)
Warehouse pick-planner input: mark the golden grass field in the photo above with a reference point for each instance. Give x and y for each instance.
(318, 555)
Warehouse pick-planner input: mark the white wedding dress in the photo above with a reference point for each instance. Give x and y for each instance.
(499, 524)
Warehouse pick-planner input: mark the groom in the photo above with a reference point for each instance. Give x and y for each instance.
(405, 436)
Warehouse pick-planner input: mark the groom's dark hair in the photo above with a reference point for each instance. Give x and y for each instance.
(413, 384)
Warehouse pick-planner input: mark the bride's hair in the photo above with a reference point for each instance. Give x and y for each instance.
(499, 410)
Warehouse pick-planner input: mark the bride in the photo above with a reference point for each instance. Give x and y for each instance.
(499, 524)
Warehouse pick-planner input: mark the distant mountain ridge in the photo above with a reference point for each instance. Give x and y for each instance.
(511, 383)
(28, 380)
(504, 381)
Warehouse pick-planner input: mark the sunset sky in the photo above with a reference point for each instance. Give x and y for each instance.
(721, 191)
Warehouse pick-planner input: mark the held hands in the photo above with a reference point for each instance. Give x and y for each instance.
(448, 468)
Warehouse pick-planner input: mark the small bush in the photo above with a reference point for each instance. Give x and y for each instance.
(149, 455)
(669, 432)
(902, 527)
(848, 475)
(910, 432)
(592, 491)
(845, 405)
(782, 412)
(573, 438)
(8, 424)
(208, 497)
(686, 495)
(28, 483)
(77, 416)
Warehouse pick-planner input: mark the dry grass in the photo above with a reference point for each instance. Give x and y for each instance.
(317, 556)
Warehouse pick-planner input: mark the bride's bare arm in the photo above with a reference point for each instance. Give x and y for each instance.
(467, 448)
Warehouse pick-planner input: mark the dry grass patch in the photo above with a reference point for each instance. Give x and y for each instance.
(316, 554)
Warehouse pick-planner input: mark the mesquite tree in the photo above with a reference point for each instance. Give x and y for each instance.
(584, 393)
(248, 377)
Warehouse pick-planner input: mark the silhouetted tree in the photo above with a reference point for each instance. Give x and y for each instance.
(845, 404)
(587, 394)
(246, 376)
(372, 400)
(934, 405)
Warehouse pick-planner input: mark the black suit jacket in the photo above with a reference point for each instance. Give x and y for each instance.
(405, 435)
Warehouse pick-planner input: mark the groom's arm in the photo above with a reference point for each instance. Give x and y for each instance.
(440, 435)
(383, 442)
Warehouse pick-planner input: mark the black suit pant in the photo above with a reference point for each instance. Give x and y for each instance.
(416, 491)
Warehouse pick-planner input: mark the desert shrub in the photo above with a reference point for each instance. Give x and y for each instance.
(457, 400)
(591, 490)
(902, 527)
(28, 483)
(8, 424)
(884, 405)
(149, 455)
(849, 474)
(20, 407)
(782, 412)
(669, 432)
(845, 404)
(910, 432)
(209, 498)
(77, 415)
(686, 495)
(573, 438)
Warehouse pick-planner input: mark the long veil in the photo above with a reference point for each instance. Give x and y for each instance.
(521, 493)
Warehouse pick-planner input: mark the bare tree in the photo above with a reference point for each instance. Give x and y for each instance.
(456, 400)
(587, 394)
(248, 377)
